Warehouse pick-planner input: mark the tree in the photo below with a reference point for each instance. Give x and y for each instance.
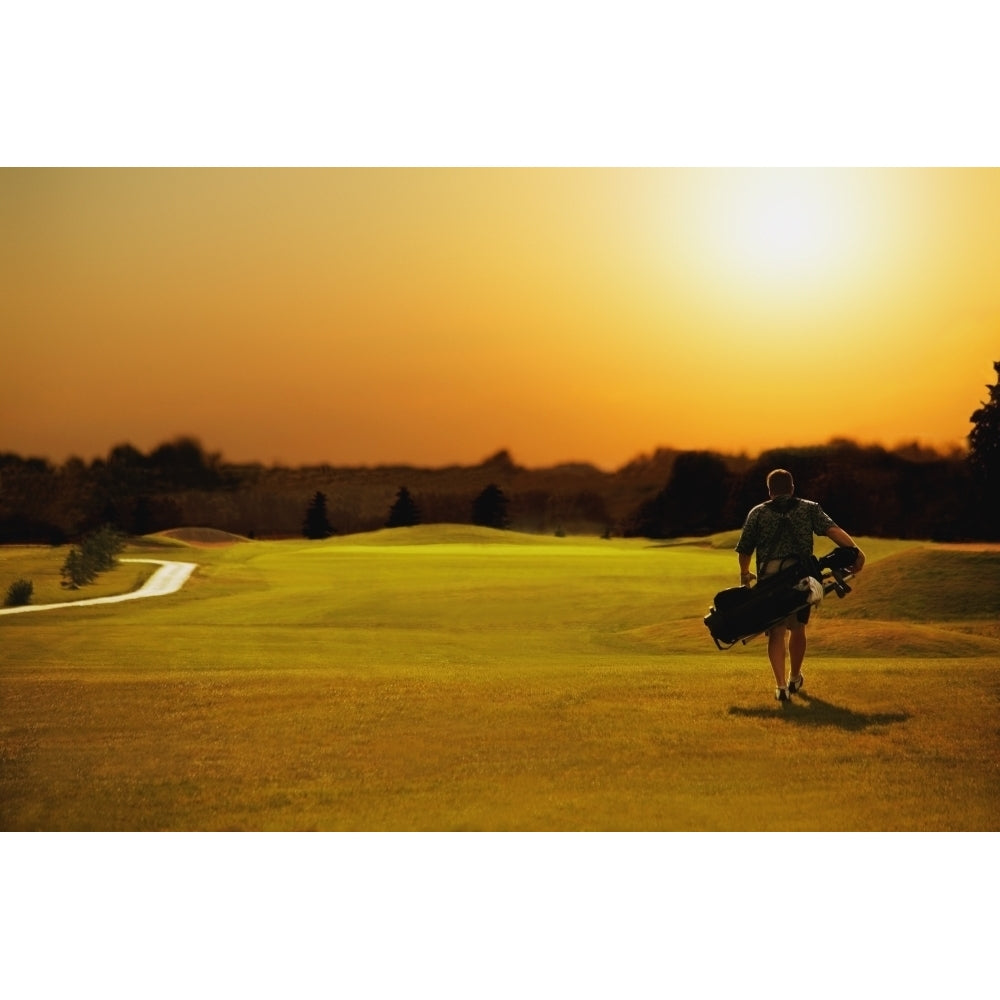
(76, 572)
(183, 464)
(142, 516)
(317, 524)
(984, 453)
(97, 553)
(102, 547)
(404, 512)
(692, 502)
(489, 509)
(984, 438)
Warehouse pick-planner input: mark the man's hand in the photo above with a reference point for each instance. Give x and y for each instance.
(842, 538)
(747, 578)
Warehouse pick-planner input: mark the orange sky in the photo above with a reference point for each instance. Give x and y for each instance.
(431, 316)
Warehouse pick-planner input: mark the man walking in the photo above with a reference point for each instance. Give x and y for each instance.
(780, 531)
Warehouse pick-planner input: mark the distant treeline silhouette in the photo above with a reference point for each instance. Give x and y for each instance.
(909, 492)
(882, 493)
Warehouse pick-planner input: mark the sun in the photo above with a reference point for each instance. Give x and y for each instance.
(778, 232)
(784, 230)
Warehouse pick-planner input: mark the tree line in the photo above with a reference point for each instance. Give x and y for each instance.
(908, 492)
(876, 491)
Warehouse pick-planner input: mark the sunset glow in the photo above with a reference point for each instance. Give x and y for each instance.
(435, 316)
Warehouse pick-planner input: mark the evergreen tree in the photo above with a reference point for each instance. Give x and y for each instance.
(489, 509)
(317, 524)
(404, 512)
(984, 454)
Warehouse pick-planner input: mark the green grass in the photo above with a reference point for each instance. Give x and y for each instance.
(42, 566)
(454, 678)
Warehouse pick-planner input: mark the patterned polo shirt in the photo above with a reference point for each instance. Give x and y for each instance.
(762, 531)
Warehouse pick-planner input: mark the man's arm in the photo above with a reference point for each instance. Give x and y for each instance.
(746, 545)
(843, 539)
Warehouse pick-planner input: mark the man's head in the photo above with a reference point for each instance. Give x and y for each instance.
(780, 484)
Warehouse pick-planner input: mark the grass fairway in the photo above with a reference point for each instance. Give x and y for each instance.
(453, 678)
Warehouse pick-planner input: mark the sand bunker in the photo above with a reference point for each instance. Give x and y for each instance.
(202, 537)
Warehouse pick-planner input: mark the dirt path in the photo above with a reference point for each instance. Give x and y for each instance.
(168, 579)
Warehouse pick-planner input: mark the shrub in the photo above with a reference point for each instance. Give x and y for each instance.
(18, 594)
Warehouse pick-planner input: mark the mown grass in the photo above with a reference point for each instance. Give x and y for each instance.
(41, 565)
(460, 679)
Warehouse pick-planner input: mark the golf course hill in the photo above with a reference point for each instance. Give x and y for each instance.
(449, 534)
(921, 601)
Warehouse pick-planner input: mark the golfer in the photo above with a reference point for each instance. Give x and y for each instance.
(779, 531)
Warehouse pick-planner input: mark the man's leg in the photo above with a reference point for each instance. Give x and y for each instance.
(776, 653)
(797, 649)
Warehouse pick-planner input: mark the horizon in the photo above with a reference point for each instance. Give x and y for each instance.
(402, 316)
(904, 448)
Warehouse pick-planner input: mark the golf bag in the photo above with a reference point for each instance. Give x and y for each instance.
(740, 613)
